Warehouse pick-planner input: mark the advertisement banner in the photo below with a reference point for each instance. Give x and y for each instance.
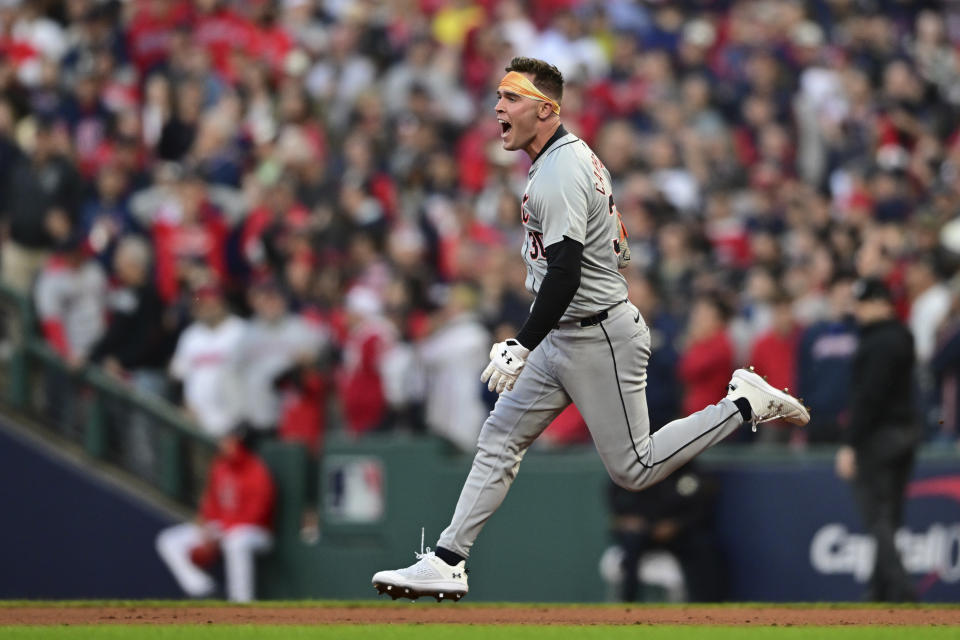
(793, 533)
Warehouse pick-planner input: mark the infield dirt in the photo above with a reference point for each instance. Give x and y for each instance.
(450, 613)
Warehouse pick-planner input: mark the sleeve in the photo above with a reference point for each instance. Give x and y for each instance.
(47, 296)
(50, 309)
(57, 337)
(240, 354)
(555, 293)
(179, 362)
(564, 208)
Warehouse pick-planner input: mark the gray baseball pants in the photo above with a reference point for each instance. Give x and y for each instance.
(603, 370)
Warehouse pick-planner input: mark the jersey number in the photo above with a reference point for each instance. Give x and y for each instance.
(536, 245)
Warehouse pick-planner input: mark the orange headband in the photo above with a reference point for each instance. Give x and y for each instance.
(520, 84)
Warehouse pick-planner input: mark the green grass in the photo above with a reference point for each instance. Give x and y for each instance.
(478, 632)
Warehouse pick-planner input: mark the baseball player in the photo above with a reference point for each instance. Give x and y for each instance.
(583, 341)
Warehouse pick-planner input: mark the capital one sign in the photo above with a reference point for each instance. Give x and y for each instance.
(933, 552)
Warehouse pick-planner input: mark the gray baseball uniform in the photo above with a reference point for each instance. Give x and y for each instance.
(596, 357)
(569, 194)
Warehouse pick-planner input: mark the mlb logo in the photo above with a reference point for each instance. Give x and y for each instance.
(354, 491)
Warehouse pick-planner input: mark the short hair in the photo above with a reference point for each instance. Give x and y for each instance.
(871, 289)
(843, 276)
(546, 77)
(718, 302)
(135, 248)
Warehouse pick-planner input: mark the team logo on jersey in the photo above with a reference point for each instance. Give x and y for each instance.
(524, 215)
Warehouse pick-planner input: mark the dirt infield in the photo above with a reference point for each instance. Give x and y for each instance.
(449, 613)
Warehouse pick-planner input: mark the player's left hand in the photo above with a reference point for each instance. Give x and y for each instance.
(506, 362)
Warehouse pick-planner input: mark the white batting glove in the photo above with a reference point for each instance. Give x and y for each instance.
(506, 362)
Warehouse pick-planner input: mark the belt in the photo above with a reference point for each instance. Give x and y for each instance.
(589, 321)
(592, 320)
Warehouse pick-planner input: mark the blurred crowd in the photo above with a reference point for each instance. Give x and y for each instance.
(295, 213)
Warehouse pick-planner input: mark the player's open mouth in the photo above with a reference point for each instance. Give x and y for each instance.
(504, 127)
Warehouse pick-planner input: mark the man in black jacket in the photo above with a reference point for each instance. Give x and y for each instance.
(41, 192)
(135, 349)
(882, 436)
(139, 339)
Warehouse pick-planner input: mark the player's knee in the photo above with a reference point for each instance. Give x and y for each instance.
(234, 543)
(164, 541)
(625, 479)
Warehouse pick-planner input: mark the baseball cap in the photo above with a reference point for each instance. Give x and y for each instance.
(871, 289)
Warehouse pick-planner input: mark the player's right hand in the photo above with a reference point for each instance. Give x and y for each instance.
(506, 362)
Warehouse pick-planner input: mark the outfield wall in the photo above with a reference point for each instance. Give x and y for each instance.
(66, 533)
(786, 526)
(791, 532)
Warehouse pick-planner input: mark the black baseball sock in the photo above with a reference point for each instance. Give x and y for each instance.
(451, 558)
(744, 405)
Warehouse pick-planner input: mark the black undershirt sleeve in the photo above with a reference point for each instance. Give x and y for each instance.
(555, 293)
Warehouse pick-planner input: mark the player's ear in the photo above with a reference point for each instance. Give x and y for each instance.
(544, 110)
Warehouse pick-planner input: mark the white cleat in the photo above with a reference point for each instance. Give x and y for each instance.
(766, 401)
(429, 576)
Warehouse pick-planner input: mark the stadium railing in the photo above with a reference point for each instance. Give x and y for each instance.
(113, 421)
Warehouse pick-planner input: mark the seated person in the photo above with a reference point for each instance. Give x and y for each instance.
(675, 515)
(235, 519)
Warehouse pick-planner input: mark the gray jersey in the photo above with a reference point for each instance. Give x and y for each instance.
(569, 193)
